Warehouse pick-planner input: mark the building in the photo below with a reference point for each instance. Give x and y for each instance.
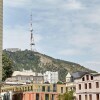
(88, 86)
(1, 33)
(35, 96)
(13, 49)
(33, 92)
(61, 88)
(51, 77)
(28, 76)
(36, 91)
(6, 95)
(70, 85)
(68, 78)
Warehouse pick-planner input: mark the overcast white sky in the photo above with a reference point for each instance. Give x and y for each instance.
(63, 29)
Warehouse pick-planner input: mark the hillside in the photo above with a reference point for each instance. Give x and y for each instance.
(41, 63)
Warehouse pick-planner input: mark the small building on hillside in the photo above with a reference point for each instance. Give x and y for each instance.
(13, 49)
(51, 77)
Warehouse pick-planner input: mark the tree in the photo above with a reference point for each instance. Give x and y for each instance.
(7, 67)
(66, 96)
(59, 82)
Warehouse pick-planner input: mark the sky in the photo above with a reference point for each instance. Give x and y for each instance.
(63, 29)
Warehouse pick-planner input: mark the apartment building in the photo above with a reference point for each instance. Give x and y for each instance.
(1, 32)
(51, 77)
(88, 86)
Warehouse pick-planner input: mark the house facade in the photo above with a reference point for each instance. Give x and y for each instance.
(88, 87)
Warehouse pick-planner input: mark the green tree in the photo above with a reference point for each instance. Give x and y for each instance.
(7, 67)
(59, 82)
(66, 96)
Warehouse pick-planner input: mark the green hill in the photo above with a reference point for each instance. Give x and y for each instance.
(41, 63)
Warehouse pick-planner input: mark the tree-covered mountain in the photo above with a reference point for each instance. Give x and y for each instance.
(40, 63)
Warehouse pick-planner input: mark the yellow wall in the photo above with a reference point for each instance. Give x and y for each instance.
(59, 88)
(28, 87)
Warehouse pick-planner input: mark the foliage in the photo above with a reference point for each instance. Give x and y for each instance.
(7, 67)
(66, 96)
(59, 82)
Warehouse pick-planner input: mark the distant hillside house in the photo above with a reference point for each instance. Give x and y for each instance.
(28, 76)
(51, 77)
(13, 49)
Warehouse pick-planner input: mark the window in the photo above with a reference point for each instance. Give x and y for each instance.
(79, 86)
(31, 88)
(37, 96)
(97, 96)
(91, 77)
(90, 97)
(85, 86)
(61, 89)
(66, 89)
(74, 88)
(48, 88)
(43, 88)
(83, 79)
(97, 84)
(46, 96)
(54, 87)
(90, 86)
(80, 97)
(85, 97)
(87, 77)
(52, 96)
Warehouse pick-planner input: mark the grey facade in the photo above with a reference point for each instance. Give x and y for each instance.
(1, 31)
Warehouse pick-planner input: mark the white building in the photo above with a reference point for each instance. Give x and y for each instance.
(27, 76)
(24, 73)
(68, 77)
(88, 87)
(7, 95)
(70, 85)
(51, 77)
(13, 49)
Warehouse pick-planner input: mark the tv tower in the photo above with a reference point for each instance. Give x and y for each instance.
(31, 31)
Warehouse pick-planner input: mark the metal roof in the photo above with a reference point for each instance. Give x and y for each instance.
(79, 74)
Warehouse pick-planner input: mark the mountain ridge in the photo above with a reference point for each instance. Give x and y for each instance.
(40, 63)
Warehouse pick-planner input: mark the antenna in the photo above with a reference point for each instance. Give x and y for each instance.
(31, 31)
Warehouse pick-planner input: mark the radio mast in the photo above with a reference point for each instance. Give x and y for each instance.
(31, 37)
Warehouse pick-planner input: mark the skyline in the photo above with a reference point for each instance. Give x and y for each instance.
(63, 29)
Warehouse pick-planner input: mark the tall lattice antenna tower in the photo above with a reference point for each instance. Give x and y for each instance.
(31, 31)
